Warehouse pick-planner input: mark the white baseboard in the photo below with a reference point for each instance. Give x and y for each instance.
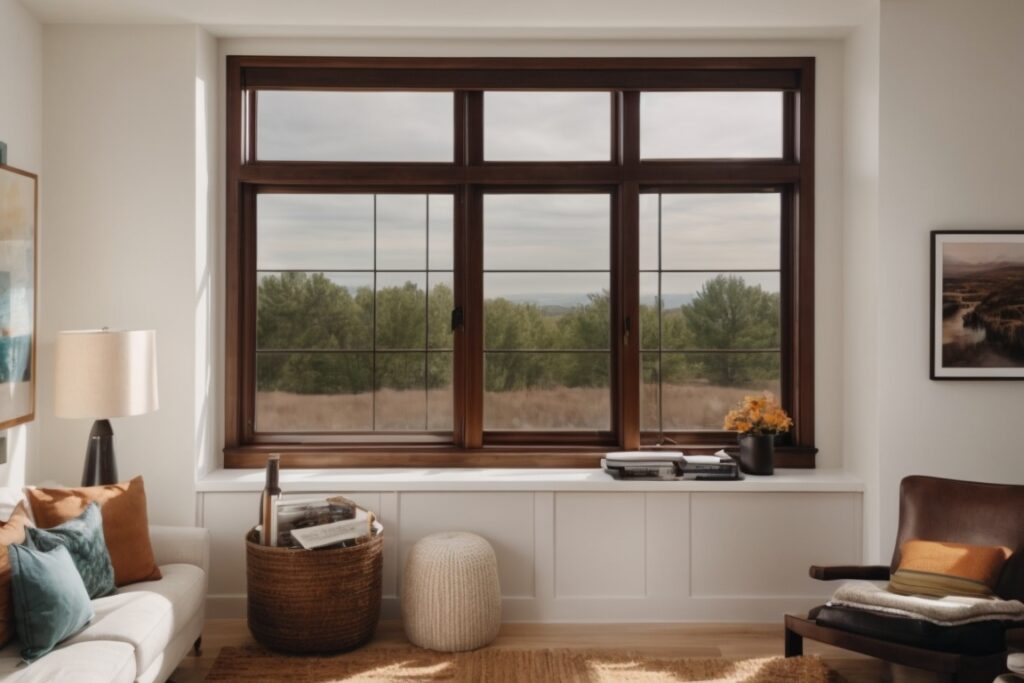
(755, 610)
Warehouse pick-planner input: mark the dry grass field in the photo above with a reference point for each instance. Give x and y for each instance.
(686, 406)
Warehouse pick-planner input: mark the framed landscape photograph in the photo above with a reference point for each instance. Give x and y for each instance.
(977, 319)
(18, 216)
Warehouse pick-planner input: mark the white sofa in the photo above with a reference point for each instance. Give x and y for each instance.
(142, 632)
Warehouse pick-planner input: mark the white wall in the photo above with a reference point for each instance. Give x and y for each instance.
(128, 216)
(952, 156)
(21, 127)
(859, 388)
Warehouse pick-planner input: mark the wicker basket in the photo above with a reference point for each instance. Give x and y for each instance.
(314, 601)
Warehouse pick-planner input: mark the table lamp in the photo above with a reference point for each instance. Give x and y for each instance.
(103, 374)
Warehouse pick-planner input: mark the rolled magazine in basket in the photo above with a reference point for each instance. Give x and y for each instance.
(337, 533)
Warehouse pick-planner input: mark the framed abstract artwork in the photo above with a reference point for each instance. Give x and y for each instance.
(18, 223)
(977, 317)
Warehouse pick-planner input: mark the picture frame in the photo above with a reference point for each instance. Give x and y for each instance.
(977, 305)
(19, 219)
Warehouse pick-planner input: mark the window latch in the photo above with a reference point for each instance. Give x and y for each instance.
(457, 318)
(625, 331)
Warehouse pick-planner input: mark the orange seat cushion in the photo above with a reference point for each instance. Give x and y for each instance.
(938, 569)
(11, 532)
(125, 523)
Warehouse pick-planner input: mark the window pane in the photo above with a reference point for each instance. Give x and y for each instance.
(698, 389)
(546, 311)
(547, 391)
(650, 209)
(306, 311)
(650, 324)
(294, 125)
(439, 314)
(720, 310)
(720, 231)
(441, 224)
(304, 392)
(546, 231)
(650, 390)
(710, 125)
(439, 391)
(386, 315)
(400, 395)
(314, 231)
(402, 232)
(547, 126)
(401, 311)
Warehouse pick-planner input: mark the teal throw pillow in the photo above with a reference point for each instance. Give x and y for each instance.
(83, 537)
(50, 600)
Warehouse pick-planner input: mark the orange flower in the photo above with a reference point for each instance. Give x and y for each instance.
(758, 415)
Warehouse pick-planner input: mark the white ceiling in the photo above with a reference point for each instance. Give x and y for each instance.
(399, 18)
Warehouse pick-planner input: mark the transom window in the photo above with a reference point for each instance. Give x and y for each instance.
(514, 262)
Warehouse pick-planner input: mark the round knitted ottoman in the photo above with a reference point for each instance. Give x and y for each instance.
(451, 599)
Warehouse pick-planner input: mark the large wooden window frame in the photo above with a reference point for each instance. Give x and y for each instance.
(625, 176)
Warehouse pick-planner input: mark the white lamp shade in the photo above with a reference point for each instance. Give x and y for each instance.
(105, 373)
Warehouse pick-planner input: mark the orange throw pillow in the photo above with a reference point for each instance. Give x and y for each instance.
(125, 524)
(12, 531)
(938, 569)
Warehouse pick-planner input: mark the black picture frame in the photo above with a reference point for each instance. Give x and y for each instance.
(985, 263)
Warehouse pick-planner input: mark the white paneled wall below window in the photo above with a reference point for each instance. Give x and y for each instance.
(631, 556)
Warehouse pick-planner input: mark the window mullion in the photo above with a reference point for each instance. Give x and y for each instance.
(626, 337)
(472, 331)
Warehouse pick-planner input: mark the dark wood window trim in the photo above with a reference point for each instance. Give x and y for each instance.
(625, 176)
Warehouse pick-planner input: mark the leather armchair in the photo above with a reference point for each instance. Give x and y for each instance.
(939, 510)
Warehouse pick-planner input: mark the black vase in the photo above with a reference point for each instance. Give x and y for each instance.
(757, 453)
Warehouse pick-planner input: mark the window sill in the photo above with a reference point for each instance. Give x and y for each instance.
(518, 479)
(327, 457)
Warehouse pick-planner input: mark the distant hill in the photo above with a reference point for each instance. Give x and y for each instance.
(952, 268)
(559, 303)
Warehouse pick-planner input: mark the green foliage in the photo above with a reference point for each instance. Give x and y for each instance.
(729, 314)
(309, 312)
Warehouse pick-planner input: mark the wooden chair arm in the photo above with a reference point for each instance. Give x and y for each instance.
(866, 573)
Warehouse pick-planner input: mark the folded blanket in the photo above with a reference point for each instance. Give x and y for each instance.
(948, 611)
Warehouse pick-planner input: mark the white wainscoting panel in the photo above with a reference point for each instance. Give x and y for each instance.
(629, 556)
(599, 545)
(229, 516)
(504, 519)
(668, 545)
(763, 543)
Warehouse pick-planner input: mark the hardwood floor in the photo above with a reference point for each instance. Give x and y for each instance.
(732, 641)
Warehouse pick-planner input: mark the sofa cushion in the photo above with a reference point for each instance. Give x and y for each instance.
(11, 532)
(125, 525)
(96, 662)
(147, 615)
(83, 537)
(979, 638)
(50, 600)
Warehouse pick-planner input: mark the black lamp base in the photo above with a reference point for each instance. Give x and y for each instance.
(100, 466)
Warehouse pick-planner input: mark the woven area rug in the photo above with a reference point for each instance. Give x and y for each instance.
(253, 664)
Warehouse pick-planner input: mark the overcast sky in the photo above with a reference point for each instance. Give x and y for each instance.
(537, 232)
(1000, 250)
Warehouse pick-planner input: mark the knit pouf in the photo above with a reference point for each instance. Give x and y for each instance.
(451, 599)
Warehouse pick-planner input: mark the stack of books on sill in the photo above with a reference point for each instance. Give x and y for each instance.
(671, 466)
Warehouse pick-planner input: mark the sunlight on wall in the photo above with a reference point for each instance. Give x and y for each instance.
(13, 473)
(203, 386)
